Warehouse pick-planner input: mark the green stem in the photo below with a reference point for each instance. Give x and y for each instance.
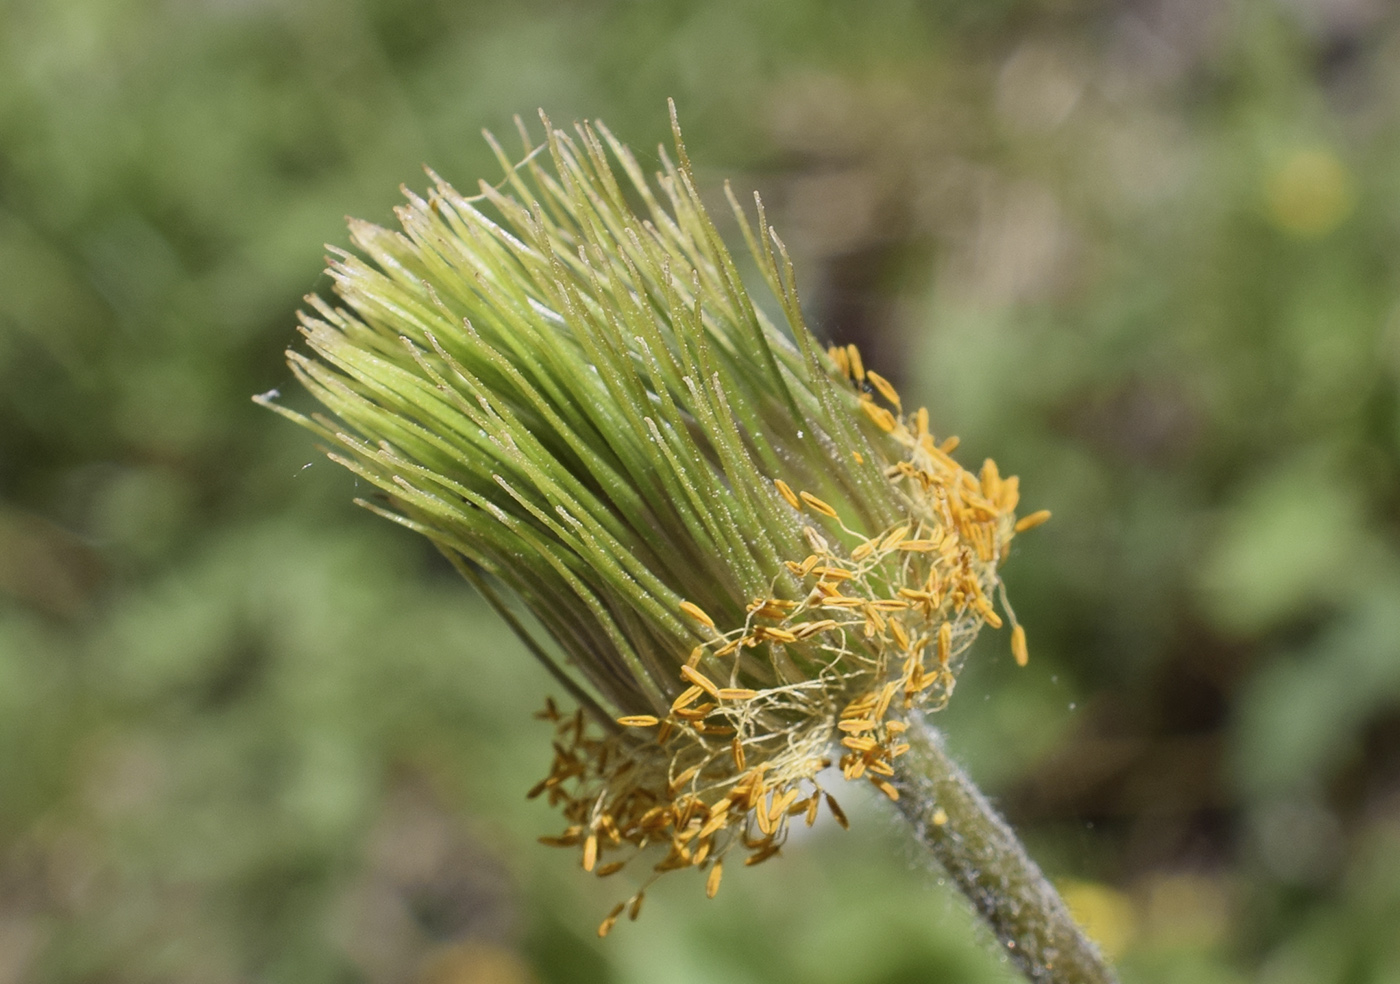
(983, 856)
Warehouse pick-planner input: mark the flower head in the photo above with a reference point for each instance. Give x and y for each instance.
(749, 557)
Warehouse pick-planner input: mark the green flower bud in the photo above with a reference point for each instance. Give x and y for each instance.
(747, 557)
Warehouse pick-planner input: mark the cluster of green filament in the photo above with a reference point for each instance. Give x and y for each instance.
(566, 386)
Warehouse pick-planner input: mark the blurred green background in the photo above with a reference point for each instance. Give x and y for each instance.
(1146, 253)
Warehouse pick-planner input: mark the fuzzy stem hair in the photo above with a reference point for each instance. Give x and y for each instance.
(985, 859)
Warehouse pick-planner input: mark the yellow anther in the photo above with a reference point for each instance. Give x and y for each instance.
(1032, 521)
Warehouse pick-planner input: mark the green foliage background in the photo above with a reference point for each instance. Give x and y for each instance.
(1143, 253)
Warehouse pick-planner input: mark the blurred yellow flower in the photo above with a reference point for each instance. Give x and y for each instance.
(1105, 913)
(1310, 193)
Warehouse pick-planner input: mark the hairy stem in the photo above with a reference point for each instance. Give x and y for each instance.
(985, 859)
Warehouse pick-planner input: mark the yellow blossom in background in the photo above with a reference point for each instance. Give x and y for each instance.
(1106, 914)
(1310, 193)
